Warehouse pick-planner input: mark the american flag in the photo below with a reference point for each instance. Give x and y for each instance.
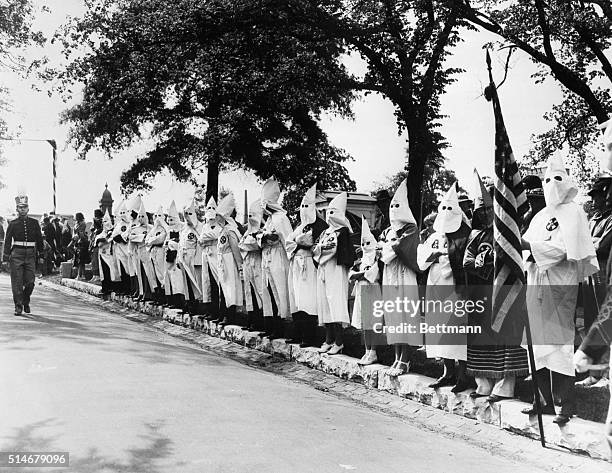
(510, 203)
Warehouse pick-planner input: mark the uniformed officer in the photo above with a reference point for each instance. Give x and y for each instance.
(22, 243)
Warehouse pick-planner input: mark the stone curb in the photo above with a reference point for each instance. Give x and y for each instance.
(578, 436)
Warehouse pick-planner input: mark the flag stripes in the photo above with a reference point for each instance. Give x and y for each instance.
(509, 203)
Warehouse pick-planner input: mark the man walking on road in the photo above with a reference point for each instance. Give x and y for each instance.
(22, 243)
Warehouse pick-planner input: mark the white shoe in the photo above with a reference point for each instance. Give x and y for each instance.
(325, 347)
(369, 358)
(586, 382)
(602, 383)
(335, 349)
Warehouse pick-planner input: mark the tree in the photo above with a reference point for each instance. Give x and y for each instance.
(15, 33)
(404, 45)
(214, 90)
(568, 41)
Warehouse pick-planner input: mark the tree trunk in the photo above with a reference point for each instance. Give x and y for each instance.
(419, 152)
(212, 179)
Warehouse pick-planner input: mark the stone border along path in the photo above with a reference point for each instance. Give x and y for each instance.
(372, 387)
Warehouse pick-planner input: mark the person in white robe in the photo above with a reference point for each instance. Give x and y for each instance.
(229, 259)
(141, 260)
(190, 253)
(209, 236)
(398, 252)
(251, 268)
(334, 255)
(132, 247)
(175, 284)
(109, 270)
(155, 244)
(561, 255)
(274, 260)
(120, 246)
(367, 273)
(302, 271)
(442, 255)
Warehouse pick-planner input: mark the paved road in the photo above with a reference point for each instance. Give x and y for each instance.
(122, 397)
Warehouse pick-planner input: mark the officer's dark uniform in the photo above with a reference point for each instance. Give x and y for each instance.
(22, 243)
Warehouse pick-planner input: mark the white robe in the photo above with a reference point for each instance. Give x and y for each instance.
(209, 236)
(229, 262)
(157, 254)
(252, 272)
(133, 267)
(371, 278)
(302, 280)
(275, 265)
(552, 293)
(441, 275)
(140, 254)
(105, 253)
(120, 249)
(398, 281)
(174, 277)
(188, 255)
(332, 281)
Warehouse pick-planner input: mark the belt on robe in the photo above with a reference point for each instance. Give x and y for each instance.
(24, 244)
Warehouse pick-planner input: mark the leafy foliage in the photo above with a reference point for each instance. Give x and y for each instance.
(568, 40)
(209, 84)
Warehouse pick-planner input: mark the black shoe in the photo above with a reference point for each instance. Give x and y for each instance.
(561, 419)
(475, 395)
(26, 308)
(531, 411)
(463, 385)
(496, 398)
(18, 309)
(224, 322)
(444, 381)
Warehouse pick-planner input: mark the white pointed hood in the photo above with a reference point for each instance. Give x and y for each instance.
(226, 207)
(135, 203)
(450, 214)
(159, 213)
(211, 209)
(368, 244)
(270, 193)
(255, 217)
(190, 214)
(142, 218)
(159, 220)
(122, 212)
(308, 209)
(482, 198)
(107, 221)
(399, 210)
(336, 212)
(173, 216)
(559, 187)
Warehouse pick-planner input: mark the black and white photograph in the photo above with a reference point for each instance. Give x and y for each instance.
(295, 236)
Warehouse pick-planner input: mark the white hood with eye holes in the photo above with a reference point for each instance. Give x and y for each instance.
(559, 187)
(450, 215)
(399, 210)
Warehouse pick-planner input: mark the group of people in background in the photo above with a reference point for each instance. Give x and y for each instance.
(268, 273)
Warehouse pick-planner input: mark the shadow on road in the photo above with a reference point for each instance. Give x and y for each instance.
(59, 316)
(144, 459)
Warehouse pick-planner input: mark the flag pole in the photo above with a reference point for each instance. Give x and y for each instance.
(534, 378)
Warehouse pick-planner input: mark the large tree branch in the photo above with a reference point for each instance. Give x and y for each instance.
(429, 77)
(545, 28)
(570, 79)
(588, 39)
